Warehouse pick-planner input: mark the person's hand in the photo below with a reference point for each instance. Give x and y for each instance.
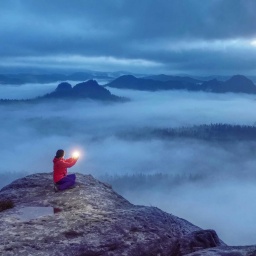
(75, 155)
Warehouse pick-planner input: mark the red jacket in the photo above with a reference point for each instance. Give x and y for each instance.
(60, 166)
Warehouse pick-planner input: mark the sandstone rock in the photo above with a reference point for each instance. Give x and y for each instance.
(227, 251)
(85, 90)
(197, 240)
(91, 219)
(64, 87)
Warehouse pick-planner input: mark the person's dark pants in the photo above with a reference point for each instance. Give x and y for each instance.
(66, 182)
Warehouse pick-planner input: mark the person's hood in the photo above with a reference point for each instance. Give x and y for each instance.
(55, 159)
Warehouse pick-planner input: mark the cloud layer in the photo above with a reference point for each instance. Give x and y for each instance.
(31, 134)
(145, 36)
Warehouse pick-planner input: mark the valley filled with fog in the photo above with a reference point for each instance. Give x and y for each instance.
(209, 183)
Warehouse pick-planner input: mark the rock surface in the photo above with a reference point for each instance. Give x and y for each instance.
(91, 219)
(227, 251)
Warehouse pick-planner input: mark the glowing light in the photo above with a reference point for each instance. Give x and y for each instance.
(253, 43)
(76, 154)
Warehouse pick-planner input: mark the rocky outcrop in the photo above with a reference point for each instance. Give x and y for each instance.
(64, 87)
(91, 219)
(227, 251)
(64, 91)
(196, 241)
(85, 90)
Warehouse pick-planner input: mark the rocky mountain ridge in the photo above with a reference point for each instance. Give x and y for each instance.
(33, 76)
(235, 84)
(91, 219)
(84, 90)
(89, 89)
(30, 77)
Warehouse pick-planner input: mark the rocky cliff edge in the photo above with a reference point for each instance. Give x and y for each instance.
(93, 220)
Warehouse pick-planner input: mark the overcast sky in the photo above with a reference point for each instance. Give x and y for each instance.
(146, 36)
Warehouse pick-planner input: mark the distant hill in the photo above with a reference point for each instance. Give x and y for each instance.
(19, 79)
(165, 78)
(143, 84)
(90, 89)
(213, 132)
(23, 78)
(85, 90)
(236, 84)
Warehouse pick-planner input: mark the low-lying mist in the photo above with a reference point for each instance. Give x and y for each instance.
(211, 184)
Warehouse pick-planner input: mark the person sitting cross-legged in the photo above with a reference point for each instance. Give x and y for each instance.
(61, 179)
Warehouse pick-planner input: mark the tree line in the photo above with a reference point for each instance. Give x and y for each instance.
(222, 132)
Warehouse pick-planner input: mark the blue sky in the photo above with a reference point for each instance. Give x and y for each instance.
(146, 36)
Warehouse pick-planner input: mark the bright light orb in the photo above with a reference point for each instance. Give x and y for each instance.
(253, 43)
(76, 154)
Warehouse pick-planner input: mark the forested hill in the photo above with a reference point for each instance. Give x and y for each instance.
(212, 132)
(85, 90)
(20, 78)
(235, 84)
(89, 89)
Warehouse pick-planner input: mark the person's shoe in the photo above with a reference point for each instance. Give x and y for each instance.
(56, 189)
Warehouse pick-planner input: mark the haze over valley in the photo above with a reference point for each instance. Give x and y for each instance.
(158, 97)
(202, 180)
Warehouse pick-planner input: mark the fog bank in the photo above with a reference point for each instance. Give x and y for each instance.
(222, 200)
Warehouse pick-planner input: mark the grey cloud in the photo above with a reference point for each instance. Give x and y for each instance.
(191, 18)
(121, 29)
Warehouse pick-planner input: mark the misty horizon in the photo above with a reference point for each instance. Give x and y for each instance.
(31, 136)
(179, 38)
(159, 148)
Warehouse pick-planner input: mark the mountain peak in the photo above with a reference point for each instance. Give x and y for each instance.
(239, 79)
(240, 83)
(63, 87)
(83, 85)
(89, 89)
